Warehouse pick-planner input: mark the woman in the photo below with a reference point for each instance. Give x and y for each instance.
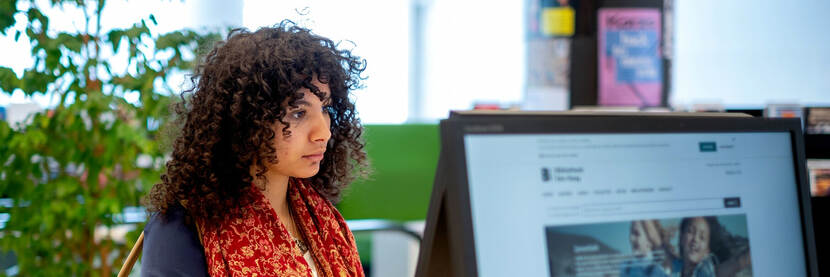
(269, 140)
(708, 249)
(696, 247)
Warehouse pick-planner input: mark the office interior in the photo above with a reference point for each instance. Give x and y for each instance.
(426, 58)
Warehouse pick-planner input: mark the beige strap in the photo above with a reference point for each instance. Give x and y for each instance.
(198, 228)
(133, 257)
(199, 234)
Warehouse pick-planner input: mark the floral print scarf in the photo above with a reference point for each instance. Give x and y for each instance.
(257, 244)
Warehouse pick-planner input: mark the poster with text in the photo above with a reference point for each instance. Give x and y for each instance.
(630, 66)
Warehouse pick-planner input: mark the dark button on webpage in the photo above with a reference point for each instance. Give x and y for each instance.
(732, 202)
(708, 146)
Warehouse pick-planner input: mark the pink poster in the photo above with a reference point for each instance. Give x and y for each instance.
(630, 66)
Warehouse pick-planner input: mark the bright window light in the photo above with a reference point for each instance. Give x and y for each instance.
(475, 51)
(377, 31)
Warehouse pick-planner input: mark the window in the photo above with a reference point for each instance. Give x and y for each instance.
(379, 33)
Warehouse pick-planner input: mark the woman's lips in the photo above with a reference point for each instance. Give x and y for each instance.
(314, 157)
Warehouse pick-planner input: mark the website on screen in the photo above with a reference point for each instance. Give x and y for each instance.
(693, 204)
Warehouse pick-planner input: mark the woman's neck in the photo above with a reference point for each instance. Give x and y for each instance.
(688, 268)
(275, 191)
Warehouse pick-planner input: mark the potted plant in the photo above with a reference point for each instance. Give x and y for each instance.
(69, 172)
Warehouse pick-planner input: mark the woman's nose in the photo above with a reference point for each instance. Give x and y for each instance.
(321, 131)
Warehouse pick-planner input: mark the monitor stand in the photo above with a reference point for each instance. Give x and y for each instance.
(435, 257)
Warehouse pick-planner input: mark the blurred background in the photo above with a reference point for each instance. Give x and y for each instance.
(72, 104)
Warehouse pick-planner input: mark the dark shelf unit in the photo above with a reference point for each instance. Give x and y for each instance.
(817, 146)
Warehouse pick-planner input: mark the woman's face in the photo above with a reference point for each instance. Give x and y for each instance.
(299, 154)
(639, 239)
(695, 240)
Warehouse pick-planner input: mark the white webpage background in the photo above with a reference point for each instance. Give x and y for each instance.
(510, 213)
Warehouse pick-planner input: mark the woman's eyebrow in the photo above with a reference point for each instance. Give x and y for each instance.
(325, 101)
(302, 103)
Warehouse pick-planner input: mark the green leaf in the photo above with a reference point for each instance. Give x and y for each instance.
(101, 4)
(153, 19)
(53, 57)
(170, 40)
(8, 80)
(35, 15)
(31, 34)
(34, 81)
(137, 30)
(114, 37)
(73, 43)
(7, 10)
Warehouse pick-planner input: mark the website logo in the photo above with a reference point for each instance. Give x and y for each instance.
(708, 146)
(545, 174)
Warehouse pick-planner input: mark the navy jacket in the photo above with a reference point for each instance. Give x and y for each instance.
(171, 247)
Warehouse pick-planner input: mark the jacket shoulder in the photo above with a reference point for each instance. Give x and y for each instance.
(171, 247)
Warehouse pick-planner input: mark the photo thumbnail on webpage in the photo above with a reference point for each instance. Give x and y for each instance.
(688, 246)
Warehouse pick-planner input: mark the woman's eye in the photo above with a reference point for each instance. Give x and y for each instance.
(298, 114)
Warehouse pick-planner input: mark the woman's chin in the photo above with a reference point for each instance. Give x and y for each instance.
(307, 174)
(696, 258)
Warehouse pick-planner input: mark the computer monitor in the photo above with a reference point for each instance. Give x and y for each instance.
(619, 195)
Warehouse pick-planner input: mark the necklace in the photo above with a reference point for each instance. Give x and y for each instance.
(300, 244)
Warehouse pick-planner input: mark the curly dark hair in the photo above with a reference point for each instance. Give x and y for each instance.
(239, 91)
(721, 243)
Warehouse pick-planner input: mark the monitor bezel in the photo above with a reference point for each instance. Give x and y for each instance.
(455, 128)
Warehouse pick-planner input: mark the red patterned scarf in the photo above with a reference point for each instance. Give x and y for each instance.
(257, 244)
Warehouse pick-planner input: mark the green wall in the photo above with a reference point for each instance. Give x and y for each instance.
(403, 158)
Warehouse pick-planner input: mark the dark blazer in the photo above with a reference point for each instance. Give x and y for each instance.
(171, 247)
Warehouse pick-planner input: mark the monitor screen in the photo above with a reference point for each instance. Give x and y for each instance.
(635, 204)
